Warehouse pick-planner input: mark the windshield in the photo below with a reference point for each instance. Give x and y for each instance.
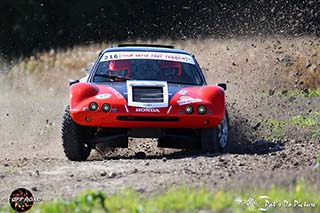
(147, 69)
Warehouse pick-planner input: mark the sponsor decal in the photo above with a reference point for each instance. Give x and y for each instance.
(103, 96)
(109, 56)
(127, 110)
(184, 97)
(188, 100)
(147, 105)
(147, 110)
(183, 92)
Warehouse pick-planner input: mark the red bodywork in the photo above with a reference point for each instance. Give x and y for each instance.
(82, 94)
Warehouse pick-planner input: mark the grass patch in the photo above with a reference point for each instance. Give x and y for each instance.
(313, 93)
(295, 93)
(299, 93)
(278, 127)
(185, 200)
(318, 162)
(304, 121)
(8, 169)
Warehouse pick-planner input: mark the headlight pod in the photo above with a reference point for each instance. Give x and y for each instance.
(106, 107)
(202, 109)
(189, 110)
(93, 106)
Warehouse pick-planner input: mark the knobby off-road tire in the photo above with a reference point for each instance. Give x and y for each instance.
(216, 139)
(73, 136)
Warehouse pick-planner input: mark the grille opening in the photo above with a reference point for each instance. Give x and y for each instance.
(147, 94)
(145, 118)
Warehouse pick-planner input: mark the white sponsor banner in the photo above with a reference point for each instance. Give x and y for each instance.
(188, 100)
(110, 56)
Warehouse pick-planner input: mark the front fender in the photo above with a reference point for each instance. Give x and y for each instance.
(212, 97)
(80, 92)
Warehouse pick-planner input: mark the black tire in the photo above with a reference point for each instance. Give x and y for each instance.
(216, 139)
(73, 136)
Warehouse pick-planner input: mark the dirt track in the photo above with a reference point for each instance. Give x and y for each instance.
(32, 156)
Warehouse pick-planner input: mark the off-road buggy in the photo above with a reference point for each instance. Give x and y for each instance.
(145, 91)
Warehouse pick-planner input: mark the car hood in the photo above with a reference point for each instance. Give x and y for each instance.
(122, 88)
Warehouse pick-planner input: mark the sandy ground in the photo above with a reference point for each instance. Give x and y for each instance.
(32, 155)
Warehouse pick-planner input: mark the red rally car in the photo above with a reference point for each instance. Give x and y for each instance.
(145, 91)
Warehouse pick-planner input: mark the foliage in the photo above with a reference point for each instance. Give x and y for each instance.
(182, 199)
(37, 24)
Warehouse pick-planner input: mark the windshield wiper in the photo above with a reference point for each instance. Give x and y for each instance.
(112, 77)
(179, 82)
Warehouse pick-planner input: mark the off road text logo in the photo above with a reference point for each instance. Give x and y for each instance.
(21, 200)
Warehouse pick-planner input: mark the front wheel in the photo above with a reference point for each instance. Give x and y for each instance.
(73, 136)
(216, 139)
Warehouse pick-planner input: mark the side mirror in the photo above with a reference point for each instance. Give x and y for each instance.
(223, 86)
(88, 69)
(72, 81)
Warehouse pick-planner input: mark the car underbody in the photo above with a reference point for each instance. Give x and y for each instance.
(170, 138)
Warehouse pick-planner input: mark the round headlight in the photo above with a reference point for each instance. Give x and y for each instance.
(93, 106)
(106, 107)
(202, 109)
(189, 109)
